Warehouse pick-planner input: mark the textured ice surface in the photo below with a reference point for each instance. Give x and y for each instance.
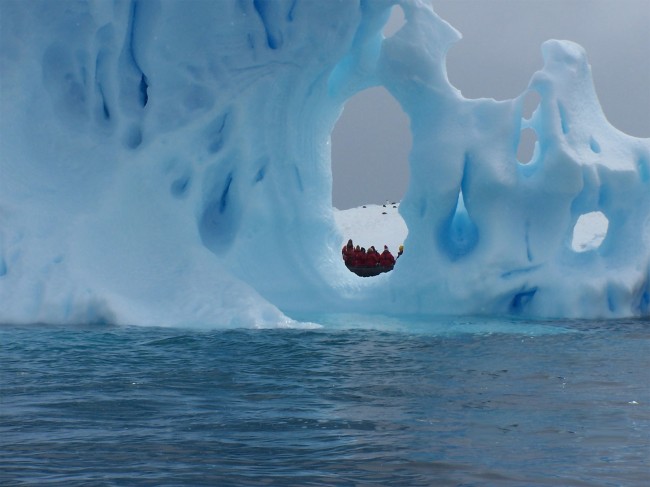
(168, 162)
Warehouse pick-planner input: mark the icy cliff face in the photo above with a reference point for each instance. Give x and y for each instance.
(167, 162)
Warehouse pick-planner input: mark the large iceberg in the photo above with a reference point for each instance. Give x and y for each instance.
(167, 162)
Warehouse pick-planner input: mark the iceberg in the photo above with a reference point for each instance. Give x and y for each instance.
(168, 163)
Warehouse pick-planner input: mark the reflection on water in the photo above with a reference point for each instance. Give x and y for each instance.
(437, 402)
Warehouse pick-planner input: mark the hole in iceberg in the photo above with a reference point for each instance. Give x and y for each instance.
(530, 104)
(521, 300)
(589, 231)
(370, 145)
(526, 147)
(395, 22)
(594, 146)
(370, 173)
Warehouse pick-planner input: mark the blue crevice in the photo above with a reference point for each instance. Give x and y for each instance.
(105, 110)
(144, 87)
(180, 186)
(100, 73)
(221, 215)
(223, 201)
(611, 301)
(519, 272)
(604, 196)
(260, 174)
(264, 9)
(290, 14)
(594, 146)
(459, 235)
(644, 169)
(144, 84)
(563, 118)
(521, 300)
(298, 178)
(217, 133)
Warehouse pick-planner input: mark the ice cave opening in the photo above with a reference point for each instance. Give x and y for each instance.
(395, 22)
(526, 147)
(528, 140)
(370, 171)
(589, 231)
(370, 144)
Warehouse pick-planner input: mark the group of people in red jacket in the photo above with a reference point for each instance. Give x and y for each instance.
(358, 257)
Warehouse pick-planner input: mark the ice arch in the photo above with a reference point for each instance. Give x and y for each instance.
(166, 165)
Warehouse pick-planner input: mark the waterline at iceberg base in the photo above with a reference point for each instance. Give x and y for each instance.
(169, 163)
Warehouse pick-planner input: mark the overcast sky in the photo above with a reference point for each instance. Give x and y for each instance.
(498, 54)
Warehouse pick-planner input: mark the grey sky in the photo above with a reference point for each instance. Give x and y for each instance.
(498, 54)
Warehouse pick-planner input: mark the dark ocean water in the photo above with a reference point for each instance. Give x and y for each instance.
(472, 402)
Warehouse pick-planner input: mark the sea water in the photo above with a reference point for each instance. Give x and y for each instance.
(362, 401)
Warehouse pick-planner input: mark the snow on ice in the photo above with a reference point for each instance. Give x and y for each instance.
(168, 162)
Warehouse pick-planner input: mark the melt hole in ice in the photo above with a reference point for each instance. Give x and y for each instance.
(395, 22)
(531, 102)
(589, 231)
(370, 155)
(594, 145)
(526, 147)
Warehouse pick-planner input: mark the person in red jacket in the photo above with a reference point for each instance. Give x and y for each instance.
(358, 257)
(386, 259)
(372, 257)
(347, 251)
